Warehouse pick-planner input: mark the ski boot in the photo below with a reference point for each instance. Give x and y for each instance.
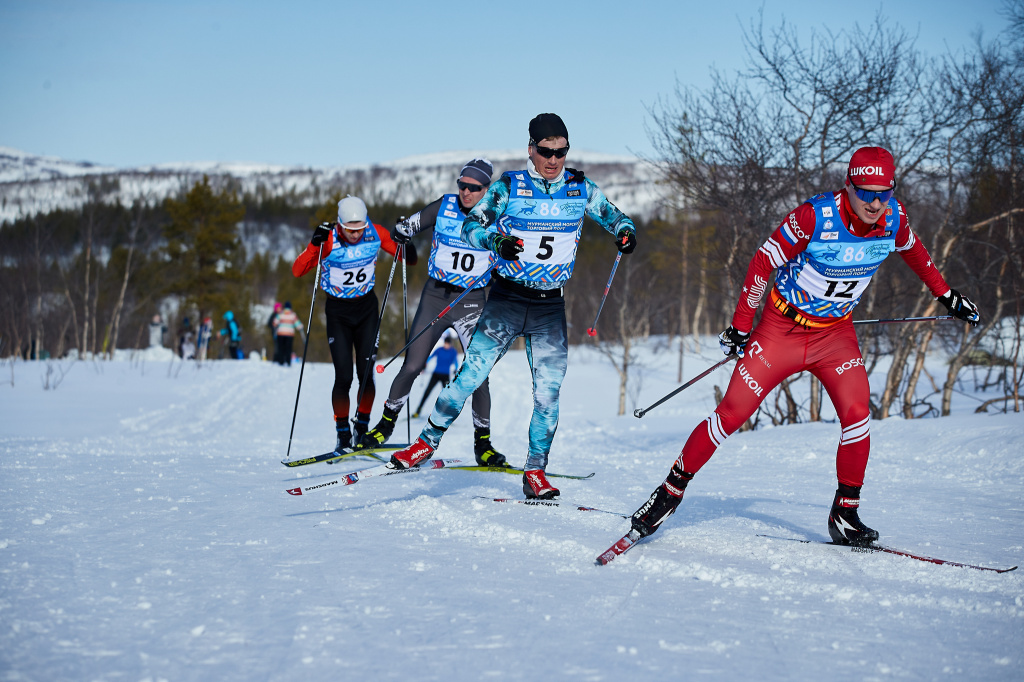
(380, 433)
(360, 425)
(485, 453)
(536, 486)
(344, 435)
(412, 456)
(662, 503)
(844, 524)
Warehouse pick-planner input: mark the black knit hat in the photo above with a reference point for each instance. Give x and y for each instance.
(544, 126)
(479, 170)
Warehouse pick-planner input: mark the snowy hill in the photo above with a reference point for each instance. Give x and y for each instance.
(145, 533)
(32, 184)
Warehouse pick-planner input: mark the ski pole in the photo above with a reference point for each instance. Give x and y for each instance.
(305, 347)
(399, 255)
(640, 413)
(469, 288)
(405, 324)
(592, 331)
(905, 319)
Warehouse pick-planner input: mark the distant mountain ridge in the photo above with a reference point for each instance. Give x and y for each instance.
(31, 184)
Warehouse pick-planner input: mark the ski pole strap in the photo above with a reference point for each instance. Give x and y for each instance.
(793, 313)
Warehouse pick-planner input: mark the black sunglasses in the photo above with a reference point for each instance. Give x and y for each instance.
(548, 152)
(470, 186)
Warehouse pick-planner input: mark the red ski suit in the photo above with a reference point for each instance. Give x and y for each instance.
(787, 341)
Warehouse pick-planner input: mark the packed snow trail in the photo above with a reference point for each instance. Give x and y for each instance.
(144, 534)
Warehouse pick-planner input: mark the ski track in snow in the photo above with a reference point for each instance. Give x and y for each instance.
(145, 534)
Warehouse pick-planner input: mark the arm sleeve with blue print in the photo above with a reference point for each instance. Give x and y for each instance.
(486, 213)
(605, 213)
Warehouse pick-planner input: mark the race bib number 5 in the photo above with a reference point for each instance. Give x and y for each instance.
(553, 249)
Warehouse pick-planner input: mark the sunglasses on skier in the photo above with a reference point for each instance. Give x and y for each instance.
(470, 186)
(548, 152)
(868, 196)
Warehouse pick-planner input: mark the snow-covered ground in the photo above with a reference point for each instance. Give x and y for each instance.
(145, 534)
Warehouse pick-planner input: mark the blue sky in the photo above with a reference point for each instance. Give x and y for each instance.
(335, 83)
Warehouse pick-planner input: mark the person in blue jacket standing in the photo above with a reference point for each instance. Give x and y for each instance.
(445, 359)
(233, 334)
(538, 213)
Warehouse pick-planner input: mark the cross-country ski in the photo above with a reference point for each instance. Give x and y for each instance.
(561, 504)
(335, 456)
(898, 552)
(371, 472)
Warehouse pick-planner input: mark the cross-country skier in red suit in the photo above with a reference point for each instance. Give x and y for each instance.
(825, 253)
(348, 253)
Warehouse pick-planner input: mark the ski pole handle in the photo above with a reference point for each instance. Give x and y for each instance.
(592, 330)
(640, 413)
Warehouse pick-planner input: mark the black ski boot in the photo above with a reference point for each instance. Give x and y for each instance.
(844, 524)
(344, 435)
(662, 503)
(485, 453)
(380, 433)
(360, 425)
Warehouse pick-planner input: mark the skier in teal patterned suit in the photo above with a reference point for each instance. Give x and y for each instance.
(538, 213)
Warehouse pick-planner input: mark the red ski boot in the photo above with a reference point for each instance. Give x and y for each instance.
(412, 456)
(536, 486)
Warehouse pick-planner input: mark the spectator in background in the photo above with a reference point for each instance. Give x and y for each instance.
(272, 326)
(205, 332)
(186, 347)
(286, 324)
(157, 329)
(232, 333)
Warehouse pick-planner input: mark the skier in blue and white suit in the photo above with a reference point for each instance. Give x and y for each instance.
(453, 265)
(538, 213)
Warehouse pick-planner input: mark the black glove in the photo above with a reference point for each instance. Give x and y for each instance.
(410, 254)
(625, 241)
(508, 247)
(577, 175)
(398, 234)
(961, 307)
(733, 341)
(321, 233)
